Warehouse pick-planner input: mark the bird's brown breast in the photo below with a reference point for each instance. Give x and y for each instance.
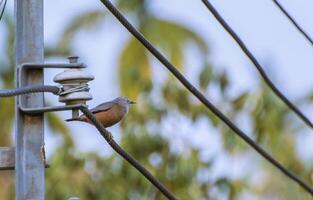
(110, 117)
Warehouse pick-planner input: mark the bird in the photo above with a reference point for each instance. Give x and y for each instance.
(108, 113)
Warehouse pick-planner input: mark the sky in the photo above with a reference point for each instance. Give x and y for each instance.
(286, 55)
(284, 52)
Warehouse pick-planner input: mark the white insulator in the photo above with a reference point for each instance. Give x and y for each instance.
(72, 81)
(73, 76)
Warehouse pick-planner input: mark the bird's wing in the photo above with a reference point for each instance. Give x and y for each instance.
(103, 107)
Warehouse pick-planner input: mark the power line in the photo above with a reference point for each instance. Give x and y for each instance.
(244, 48)
(293, 21)
(3, 8)
(200, 96)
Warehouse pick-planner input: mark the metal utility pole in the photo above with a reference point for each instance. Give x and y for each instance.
(29, 130)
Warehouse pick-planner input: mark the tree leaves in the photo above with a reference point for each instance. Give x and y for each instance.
(130, 6)
(240, 101)
(206, 76)
(134, 70)
(172, 38)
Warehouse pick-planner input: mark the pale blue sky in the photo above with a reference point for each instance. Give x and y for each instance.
(269, 35)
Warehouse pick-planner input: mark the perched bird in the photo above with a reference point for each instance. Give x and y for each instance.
(108, 113)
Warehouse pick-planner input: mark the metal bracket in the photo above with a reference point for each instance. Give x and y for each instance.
(7, 159)
(21, 70)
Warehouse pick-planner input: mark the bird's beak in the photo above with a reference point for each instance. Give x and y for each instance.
(132, 102)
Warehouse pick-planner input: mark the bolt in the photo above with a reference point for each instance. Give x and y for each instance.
(73, 59)
(75, 113)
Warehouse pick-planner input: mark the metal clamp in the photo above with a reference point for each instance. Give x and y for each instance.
(65, 97)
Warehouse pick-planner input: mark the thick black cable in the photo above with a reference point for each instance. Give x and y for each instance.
(200, 96)
(30, 89)
(293, 21)
(2, 11)
(243, 47)
(108, 137)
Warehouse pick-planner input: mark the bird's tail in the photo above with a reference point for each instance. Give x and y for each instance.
(73, 119)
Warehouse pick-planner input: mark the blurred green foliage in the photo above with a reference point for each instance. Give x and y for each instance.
(91, 176)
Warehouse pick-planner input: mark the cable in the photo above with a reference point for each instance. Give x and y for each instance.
(293, 21)
(256, 63)
(108, 137)
(30, 89)
(2, 11)
(200, 96)
(105, 134)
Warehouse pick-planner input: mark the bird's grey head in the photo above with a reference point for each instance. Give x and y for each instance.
(123, 101)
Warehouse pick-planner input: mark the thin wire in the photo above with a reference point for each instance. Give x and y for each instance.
(293, 21)
(108, 137)
(256, 63)
(2, 11)
(200, 96)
